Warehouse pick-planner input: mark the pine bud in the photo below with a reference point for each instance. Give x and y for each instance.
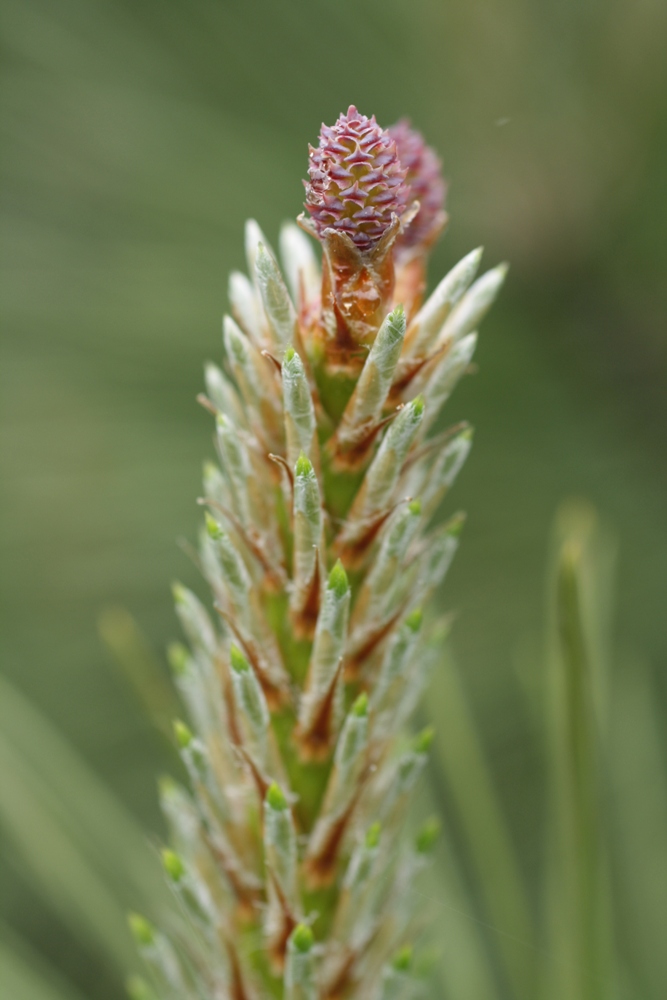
(300, 689)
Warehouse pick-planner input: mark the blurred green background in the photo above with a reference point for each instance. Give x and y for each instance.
(137, 137)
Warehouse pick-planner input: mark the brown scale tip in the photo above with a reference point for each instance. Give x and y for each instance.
(425, 182)
(356, 181)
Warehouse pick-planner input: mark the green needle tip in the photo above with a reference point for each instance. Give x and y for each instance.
(415, 619)
(177, 655)
(238, 661)
(183, 734)
(303, 466)
(173, 865)
(142, 931)
(428, 835)
(373, 835)
(302, 938)
(403, 959)
(360, 707)
(212, 527)
(275, 797)
(338, 580)
(423, 740)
